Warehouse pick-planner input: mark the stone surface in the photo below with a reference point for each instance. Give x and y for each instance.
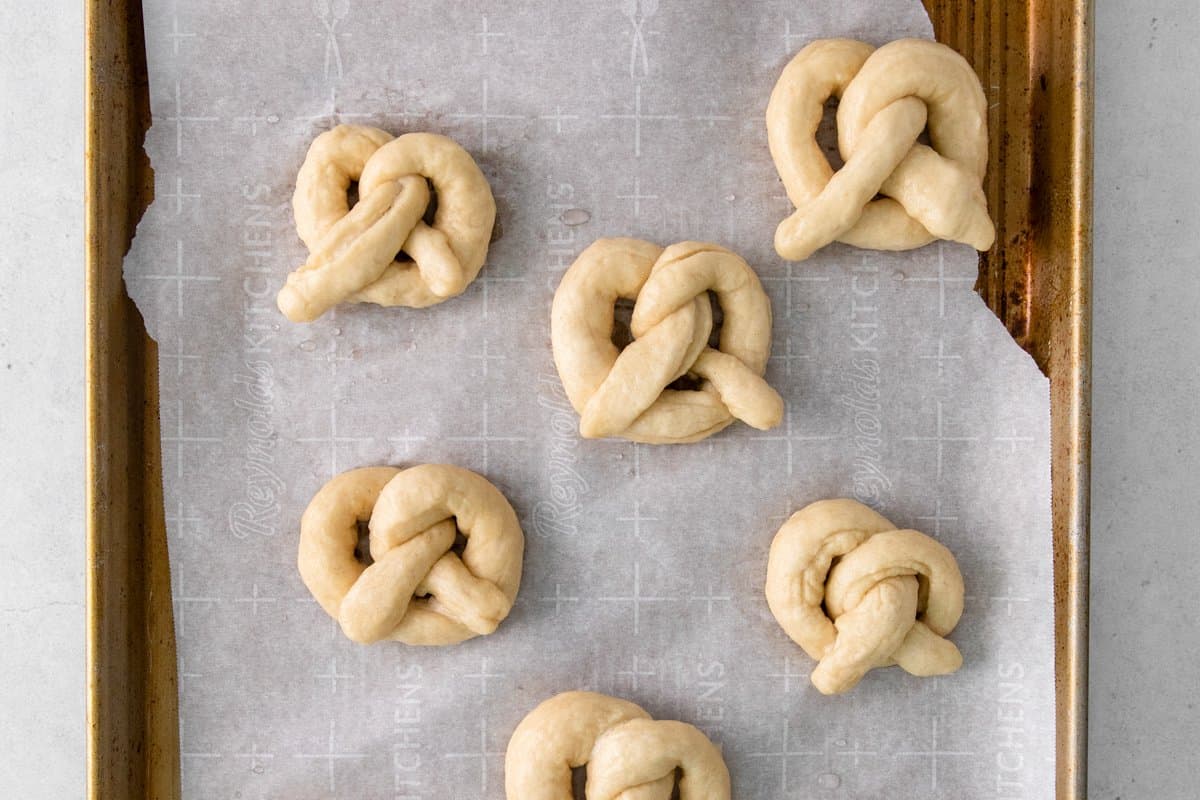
(41, 401)
(1146, 438)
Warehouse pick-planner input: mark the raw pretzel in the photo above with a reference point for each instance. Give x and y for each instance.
(889, 599)
(628, 755)
(888, 97)
(624, 393)
(417, 591)
(352, 250)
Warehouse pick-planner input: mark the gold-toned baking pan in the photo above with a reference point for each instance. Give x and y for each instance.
(1034, 59)
(133, 731)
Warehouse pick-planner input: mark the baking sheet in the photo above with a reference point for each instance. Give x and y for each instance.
(644, 565)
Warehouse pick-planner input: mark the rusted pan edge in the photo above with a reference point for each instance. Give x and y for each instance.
(1035, 62)
(132, 712)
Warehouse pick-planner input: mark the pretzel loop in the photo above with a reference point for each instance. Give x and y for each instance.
(888, 98)
(628, 755)
(417, 590)
(856, 593)
(352, 250)
(624, 393)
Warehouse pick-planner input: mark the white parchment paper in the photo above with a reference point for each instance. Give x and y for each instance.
(644, 565)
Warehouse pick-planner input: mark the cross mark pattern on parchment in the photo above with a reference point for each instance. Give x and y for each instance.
(635, 673)
(709, 599)
(179, 277)
(787, 675)
(179, 195)
(637, 598)
(183, 601)
(636, 519)
(941, 280)
(785, 754)
(176, 35)
(637, 117)
(941, 356)
(486, 34)
(483, 755)
(255, 599)
(483, 676)
(1013, 439)
(331, 757)
(485, 115)
(937, 518)
(558, 598)
(789, 280)
(335, 438)
(332, 676)
(940, 438)
(558, 118)
(935, 754)
(637, 196)
(256, 758)
(179, 119)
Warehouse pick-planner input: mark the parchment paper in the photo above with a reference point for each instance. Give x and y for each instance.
(644, 566)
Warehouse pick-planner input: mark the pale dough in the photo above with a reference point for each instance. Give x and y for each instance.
(888, 97)
(352, 250)
(889, 599)
(628, 755)
(417, 591)
(624, 393)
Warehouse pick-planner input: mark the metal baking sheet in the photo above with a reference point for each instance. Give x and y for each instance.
(132, 688)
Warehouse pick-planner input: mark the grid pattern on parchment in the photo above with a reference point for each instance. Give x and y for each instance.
(644, 565)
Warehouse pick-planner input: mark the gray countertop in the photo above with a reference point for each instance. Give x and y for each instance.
(1146, 394)
(1146, 438)
(41, 401)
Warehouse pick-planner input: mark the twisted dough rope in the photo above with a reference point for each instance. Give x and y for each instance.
(887, 98)
(417, 591)
(623, 393)
(628, 755)
(351, 250)
(889, 599)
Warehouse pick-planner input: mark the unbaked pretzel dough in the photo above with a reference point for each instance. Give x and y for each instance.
(856, 593)
(624, 393)
(628, 755)
(352, 250)
(417, 591)
(888, 97)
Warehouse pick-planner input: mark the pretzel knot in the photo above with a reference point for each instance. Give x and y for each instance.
(352, 251)
(628, 755)
(417, 590)
(889, 598)
(624, 393)
(888, 98)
